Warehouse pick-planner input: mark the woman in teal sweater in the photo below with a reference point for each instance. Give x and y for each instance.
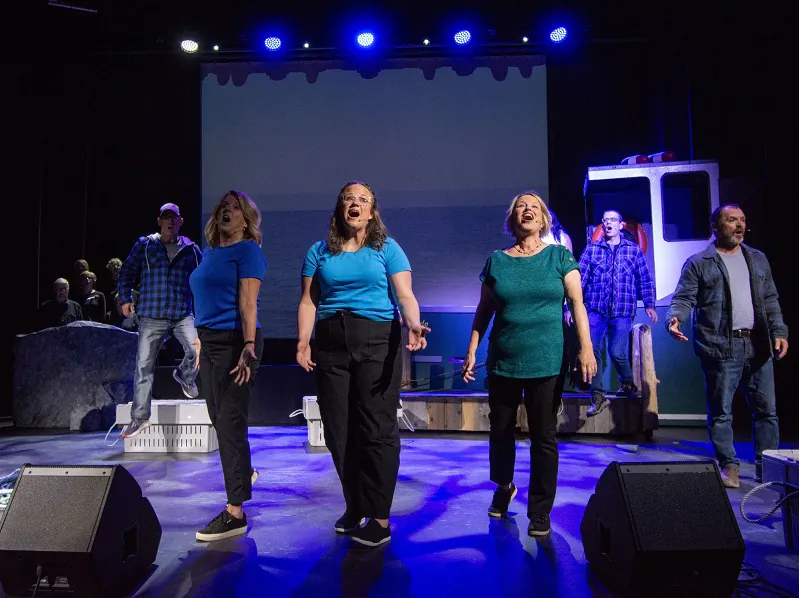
(523, 290)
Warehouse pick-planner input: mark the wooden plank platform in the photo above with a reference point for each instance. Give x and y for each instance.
(468, 412)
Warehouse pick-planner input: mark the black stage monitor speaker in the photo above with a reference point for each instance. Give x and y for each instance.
(87, 528)
(663, 529)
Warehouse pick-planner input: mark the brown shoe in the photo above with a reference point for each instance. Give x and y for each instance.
(729, 477)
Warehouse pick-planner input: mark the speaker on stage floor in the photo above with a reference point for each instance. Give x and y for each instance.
(85, 528)
(663, 529)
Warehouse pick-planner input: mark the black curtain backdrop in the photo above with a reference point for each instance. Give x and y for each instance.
(99, 144)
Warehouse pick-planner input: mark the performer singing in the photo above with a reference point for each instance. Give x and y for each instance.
(351, 284)
(225, 290)
(615, 276)
(738, 330)
(523, 290)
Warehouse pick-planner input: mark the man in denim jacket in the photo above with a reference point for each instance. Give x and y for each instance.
(737, 328)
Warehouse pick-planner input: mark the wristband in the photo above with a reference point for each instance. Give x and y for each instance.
(249, 343)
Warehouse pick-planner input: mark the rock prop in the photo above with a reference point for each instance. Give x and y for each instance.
(73, 376)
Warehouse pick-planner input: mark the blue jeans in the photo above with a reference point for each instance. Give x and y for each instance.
(756, 376)
(152, 333)
(618, 332)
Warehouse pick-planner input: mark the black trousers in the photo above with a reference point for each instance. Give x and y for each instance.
(541, 399)
(229, 405)
(359, 371)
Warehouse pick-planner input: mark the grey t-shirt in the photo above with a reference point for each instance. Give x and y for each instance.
(743, 312)
(171, 250)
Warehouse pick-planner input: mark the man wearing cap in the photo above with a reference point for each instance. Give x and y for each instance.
(161, 264)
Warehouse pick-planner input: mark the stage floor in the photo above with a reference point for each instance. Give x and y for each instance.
(443, 542)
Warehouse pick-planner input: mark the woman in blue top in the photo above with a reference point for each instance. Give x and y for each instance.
(351, 285)
(225, 288)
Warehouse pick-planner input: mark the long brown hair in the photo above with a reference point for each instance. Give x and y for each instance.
(250, 212)
(376, 231)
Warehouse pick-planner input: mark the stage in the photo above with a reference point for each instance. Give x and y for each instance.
(443, 543)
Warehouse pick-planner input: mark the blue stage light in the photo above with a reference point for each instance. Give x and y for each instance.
(272, 43)
(558, 35)
(463, 37)
(365, 39)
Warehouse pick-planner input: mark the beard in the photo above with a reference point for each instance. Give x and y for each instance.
(730, 242)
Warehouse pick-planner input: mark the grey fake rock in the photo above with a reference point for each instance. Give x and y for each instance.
(73, 376)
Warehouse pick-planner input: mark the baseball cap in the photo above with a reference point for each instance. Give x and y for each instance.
(169, 207)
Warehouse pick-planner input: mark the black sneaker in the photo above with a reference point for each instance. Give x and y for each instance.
(135, 427)
(501, 501)
(190, 390)
(347, 523)
(372, 534)
(598, 403)
(539, 525)
(628, 389)
(223, 526)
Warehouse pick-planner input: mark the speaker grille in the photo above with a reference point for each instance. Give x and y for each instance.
(54, 514)
(679, 512)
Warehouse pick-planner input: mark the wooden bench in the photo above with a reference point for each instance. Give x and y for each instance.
(468, 410)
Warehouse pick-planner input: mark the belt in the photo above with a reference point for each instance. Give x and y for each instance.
(742, 333)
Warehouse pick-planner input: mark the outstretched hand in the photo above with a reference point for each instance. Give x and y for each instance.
(674, 330)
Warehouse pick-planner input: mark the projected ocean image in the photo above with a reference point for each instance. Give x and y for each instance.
(444, 156)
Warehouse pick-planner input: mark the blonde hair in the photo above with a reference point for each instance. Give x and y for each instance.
(510, 216)
(252, 219)
(376, 231)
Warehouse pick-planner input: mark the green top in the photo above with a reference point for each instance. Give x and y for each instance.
(526, 339)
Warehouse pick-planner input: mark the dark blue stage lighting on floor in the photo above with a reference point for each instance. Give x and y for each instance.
(365, 39)
(558, 35)
(272, 43)
(463, 37)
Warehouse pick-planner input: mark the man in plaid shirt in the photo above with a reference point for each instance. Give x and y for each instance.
(614, 278)
(161, 263)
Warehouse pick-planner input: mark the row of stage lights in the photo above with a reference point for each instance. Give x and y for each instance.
(366, 39)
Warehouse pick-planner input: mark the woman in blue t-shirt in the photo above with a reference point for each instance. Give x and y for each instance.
(225, 287)
(352, 284)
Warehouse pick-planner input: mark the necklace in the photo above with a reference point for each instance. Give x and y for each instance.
(518, 248)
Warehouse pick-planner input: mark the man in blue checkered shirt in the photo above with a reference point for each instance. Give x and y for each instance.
(160, 264)
(614, 276)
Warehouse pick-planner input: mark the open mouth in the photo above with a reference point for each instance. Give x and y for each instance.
(225, 217)
(353, 213)
(527, 218)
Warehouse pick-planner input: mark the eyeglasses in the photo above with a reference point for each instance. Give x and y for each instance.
(609, 220)
(363, 200)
